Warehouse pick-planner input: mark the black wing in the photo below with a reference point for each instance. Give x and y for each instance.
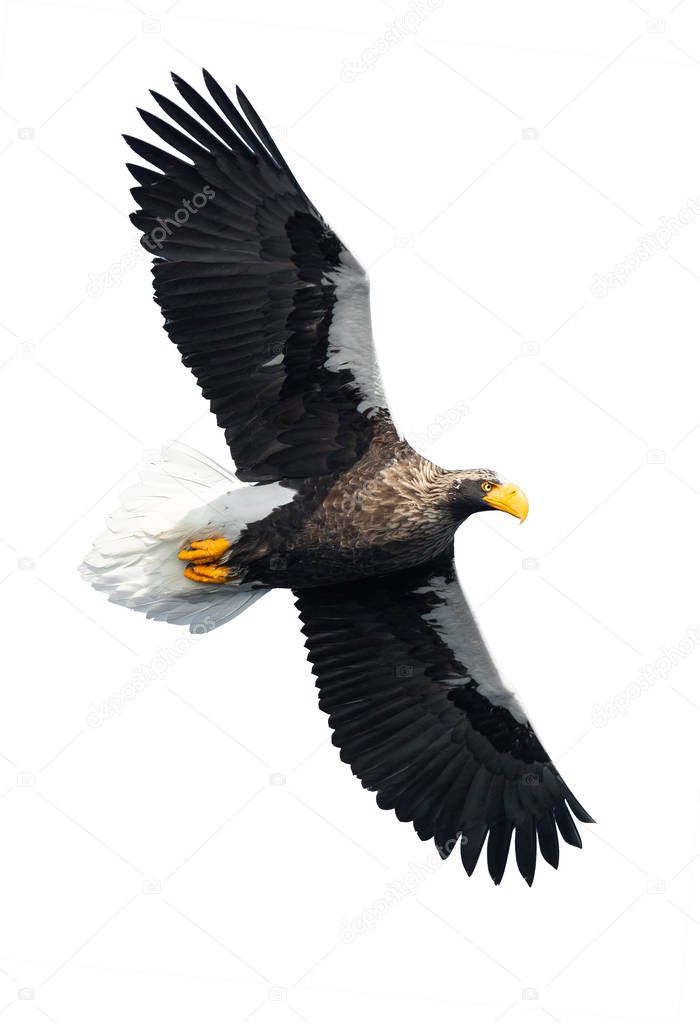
(265, 304)
(420, 713)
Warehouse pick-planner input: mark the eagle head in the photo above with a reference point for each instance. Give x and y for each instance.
(480, 490)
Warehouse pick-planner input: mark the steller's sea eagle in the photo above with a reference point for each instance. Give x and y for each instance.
(271, 313)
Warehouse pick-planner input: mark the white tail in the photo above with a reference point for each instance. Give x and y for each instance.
(184, 497)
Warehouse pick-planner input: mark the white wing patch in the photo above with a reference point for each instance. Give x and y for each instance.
(350, 334)
(455, 624)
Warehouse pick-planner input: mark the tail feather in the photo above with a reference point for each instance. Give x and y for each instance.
(184, 496)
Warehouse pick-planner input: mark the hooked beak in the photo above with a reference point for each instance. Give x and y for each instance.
(508, 498)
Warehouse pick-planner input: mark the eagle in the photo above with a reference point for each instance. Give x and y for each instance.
(271, 312)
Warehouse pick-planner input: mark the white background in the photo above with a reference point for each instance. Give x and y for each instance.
(196, 856)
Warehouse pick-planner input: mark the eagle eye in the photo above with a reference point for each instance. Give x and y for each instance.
(485, 486)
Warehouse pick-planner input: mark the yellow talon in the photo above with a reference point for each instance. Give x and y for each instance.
(203, 556)
(207, 573)
(204, 552)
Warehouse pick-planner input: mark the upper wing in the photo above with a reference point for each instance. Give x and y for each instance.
(420, 713)
(265, 304)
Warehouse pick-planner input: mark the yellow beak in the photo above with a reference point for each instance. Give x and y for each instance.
(508, 498)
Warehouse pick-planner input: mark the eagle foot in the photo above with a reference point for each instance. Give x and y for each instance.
(208, 574)
(205, 552)
(202, 556)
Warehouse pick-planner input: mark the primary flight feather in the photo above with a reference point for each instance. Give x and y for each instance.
(271, 313)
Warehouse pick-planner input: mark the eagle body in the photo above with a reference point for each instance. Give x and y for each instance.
(393, 509)
(270, 311)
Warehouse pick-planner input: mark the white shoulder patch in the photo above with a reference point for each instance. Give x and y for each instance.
(350, 343)
(456, 626)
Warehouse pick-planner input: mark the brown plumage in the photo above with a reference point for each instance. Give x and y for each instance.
(270, 311)
(392, 509)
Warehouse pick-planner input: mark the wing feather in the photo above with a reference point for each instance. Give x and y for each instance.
(267, 307)
(419, 711)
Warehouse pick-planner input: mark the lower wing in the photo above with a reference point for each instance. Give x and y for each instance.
(419, 711)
